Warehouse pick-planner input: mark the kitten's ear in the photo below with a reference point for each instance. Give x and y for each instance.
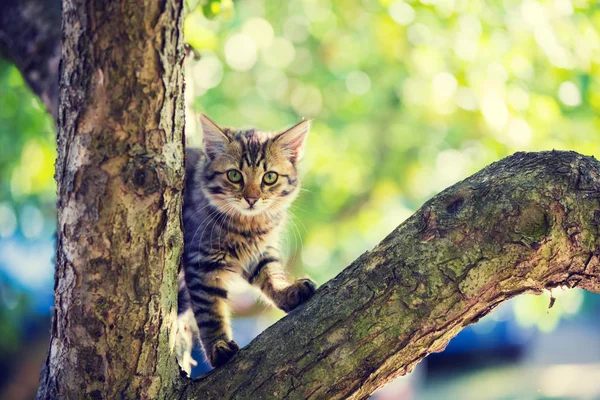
(292, 141)
(213, 137)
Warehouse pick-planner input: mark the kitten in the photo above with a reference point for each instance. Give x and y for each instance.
(237, 192)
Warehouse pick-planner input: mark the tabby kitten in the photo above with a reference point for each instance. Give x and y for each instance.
(238, 189)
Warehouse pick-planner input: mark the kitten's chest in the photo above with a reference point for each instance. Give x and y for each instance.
(248, 250)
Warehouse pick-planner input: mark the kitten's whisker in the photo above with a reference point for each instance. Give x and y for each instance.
(297, 208)
(199, 226)
(228, 219)
(295, 216)
(286, 233)
(220, 225)
(197, 230)
(299, 220)
(297, 249)
(291, 247)
(299, 233)
(210, 215)
(220, 222)
(200, 209)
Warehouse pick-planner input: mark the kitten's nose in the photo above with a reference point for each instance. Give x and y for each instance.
(251, 200)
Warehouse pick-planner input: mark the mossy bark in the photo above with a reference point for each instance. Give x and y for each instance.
(527, 223)
(120, 177)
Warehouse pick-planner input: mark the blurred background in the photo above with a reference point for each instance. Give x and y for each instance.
(407, 97)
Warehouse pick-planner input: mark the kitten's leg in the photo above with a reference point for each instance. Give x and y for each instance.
(186, 328)
(208, 297)
(269, 275)
(184, 341)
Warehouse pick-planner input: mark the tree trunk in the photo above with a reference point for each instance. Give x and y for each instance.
(527, 223)
(120, 176)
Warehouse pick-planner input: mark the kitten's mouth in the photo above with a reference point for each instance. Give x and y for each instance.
(251, 210)
(246, 209)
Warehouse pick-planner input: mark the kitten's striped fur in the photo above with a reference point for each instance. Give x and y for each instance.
(234, 227)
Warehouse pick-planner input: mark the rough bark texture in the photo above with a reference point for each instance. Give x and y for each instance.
(119, 172)
(527, 223)
(30, 37)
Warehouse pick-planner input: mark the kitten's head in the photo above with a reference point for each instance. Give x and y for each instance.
(251, 172)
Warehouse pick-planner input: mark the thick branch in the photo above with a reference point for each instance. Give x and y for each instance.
(30, 37)
(521, 225)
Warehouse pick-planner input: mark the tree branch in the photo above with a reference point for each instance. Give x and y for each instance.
(527, 223)
(30, 37)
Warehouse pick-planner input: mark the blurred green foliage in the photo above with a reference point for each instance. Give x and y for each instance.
(27, 141)
(27, 194)
(407, 98)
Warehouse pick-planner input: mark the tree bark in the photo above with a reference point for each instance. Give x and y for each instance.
(527, 223)
(30, 37)
(120, 177)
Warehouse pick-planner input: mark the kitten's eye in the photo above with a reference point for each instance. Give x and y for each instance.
(234, 176)
(270, 178)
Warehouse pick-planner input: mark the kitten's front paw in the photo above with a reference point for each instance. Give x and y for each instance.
(222, 352)
(187, 363)
(184, 341)
(298, 293)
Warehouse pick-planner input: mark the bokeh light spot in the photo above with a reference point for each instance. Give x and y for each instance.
(240, 52)
(569, 94)
(296, 29)
(307, 100)
(401, 12)
(260, 31)
(8, 220)
(444, 85)
(494, 109)
(280, 53)
(466, 99)
(519, 133)
(31, 221)
(358, 82)
(208, 71)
